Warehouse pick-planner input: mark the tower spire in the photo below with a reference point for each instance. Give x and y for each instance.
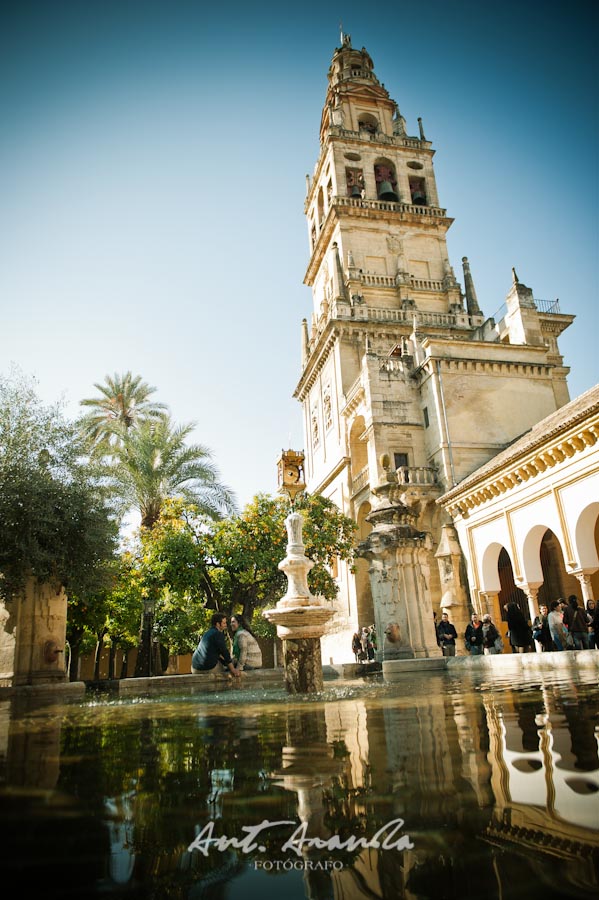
(339, 289)
(471, 299)
(345, 38)
(305, 342)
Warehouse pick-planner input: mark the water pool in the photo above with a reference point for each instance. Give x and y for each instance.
(443, 786)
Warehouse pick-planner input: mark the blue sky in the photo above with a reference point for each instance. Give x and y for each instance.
(152, 178)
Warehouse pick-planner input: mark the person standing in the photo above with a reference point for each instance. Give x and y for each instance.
(593, 636)
(446, 635)
(356, 646)
(474, 636)
(559, 634)
(372, 635)
(540, 630)
(213, 649)
(490, 636)
(579, 624)
(519, 629)
(366, 644)
(247, 654)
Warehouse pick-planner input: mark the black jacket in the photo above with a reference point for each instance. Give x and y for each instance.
(474, 636)
(446, 634)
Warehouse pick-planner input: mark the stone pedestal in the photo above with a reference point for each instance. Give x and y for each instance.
(400, 560)
(300, 617)
(33, 635)
(454, 596)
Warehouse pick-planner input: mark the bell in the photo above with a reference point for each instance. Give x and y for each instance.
(386, 192)
(356, 192)
(418, 198)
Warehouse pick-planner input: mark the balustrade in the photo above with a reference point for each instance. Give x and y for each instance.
(360, 481)
(416, 475)
(358, 203)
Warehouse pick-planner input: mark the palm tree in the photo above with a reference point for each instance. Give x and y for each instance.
(153, 463)
(123, 402)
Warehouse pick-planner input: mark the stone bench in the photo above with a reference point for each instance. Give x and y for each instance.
(208, 682)
(205, 682)
(500, 663)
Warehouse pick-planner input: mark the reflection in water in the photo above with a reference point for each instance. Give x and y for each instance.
(498, 790)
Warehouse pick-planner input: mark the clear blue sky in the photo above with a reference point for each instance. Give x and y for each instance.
(152, 178)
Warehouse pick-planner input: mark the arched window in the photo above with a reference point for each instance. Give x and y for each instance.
(368, 123)
(320, 208)
(354, 179)
(386, 181)
(418, 191)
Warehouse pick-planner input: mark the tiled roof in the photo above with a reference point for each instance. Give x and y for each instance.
(579, 409)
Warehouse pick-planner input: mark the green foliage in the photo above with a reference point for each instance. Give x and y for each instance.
(180, 621)
(123, 401)
(55, 520)
(249, 548)
(187, 566)
(172, 573)
(190, 565)
(153, 462)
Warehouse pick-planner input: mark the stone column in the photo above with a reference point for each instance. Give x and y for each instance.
(300, 617)
(584, 578)
(531, 589)
(7, 646)
(489, 603)
(39, 624)
(454, 597)
(400, 559)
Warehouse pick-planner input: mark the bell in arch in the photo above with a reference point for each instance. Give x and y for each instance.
(356, 192)
(386, 192)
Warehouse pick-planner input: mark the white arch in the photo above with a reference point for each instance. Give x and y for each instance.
(489, 568)
(532, 571)
(584, 537)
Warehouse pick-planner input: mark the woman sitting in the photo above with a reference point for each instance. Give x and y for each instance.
(247, 654)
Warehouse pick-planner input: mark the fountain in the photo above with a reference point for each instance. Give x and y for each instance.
(299, 616)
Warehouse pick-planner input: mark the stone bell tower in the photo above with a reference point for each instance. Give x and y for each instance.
(399, 361)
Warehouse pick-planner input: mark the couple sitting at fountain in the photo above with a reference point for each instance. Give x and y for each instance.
(213, 649)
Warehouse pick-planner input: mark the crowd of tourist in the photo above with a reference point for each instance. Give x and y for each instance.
(363, 644)
(564, 625)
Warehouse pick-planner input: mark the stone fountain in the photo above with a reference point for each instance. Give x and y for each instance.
(299, 616)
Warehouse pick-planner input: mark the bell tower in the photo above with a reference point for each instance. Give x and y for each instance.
(372, 205)
(399, 362)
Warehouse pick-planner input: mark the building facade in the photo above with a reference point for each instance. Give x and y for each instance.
(406, 385)
(528, 520)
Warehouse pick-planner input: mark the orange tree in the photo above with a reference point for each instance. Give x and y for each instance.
(247, 550)
(191, 565)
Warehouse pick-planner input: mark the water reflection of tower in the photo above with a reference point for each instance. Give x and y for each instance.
(437, 782)
(308, 765)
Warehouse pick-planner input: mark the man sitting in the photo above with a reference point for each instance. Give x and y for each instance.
(213, 649)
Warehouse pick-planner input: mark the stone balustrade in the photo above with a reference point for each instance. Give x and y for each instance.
(380, 138)
(388, 206)
(416, 475)
(360, 481)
